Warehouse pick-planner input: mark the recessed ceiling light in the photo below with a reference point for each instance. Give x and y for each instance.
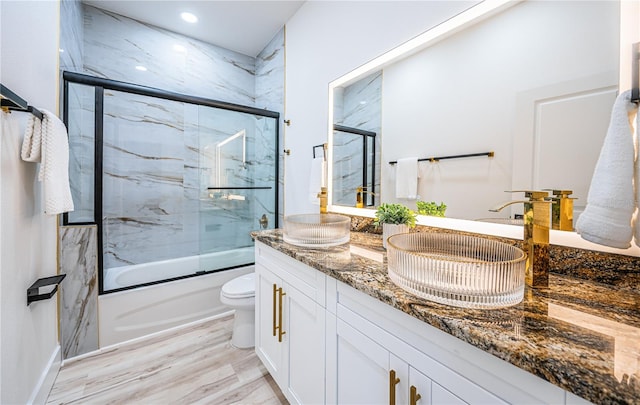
(188, 17)
(141, 68)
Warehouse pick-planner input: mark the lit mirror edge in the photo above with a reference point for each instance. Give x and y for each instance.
(473, 15)
(560, 238)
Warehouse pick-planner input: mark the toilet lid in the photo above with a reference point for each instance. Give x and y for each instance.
(240, 287)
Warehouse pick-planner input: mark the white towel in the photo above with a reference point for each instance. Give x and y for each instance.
(316, 179)
(636, 219)
(606, 219)
(46, 142)
(407, 178)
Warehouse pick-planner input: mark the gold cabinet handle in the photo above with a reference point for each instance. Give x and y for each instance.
(414, 397)
(280, 331)
(274, 309)
(393, 381)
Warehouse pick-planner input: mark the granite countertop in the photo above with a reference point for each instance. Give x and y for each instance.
(579, 335)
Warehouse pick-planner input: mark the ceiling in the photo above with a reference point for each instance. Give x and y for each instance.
(242, 25)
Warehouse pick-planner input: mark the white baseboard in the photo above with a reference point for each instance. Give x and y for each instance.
(42, 389)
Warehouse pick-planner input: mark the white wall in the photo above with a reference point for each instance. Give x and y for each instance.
(325, 40)
(28, 335)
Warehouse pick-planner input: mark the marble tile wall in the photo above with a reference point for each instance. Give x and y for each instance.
(114, 45)
(156, 204)
(270, 95)
(79, 290)
(359, 106)
(71, 36)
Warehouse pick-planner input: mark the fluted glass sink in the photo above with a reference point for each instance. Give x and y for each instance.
(316, 230)
(459, 270)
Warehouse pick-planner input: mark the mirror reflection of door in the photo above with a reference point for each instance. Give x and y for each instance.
(559, 132)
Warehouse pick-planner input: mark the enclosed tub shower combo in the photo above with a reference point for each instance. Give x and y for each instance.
(174, 184)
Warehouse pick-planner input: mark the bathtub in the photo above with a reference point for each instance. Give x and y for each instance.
(138, 312)
(125, 276)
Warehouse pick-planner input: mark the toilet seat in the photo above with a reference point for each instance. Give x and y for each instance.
(240, 287)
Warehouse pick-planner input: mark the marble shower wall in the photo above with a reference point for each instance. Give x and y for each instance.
(157, 165)
(358, 106)
(71, 36)
(114, 45)
(79, 290)
(270, 95)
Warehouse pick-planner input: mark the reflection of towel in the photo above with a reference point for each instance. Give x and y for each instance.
(606, 219)
(636, 219)
(407, 178)
(315, 179)
(46, 142)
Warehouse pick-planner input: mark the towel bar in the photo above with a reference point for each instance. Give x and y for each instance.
(11, 101)
(33, 292)
(437, 158)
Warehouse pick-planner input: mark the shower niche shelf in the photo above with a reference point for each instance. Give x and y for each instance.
(33, 292)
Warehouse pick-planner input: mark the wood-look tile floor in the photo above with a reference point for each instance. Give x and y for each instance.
(195, 365)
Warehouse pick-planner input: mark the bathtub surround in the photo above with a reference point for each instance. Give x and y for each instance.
(138, 167)
(130, 314)
(79, 293)
(114, 45)
(270, 96)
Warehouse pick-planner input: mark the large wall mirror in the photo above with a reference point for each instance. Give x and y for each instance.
(532, 82)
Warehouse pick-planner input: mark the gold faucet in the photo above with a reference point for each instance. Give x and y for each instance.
(536, 236)
(360, 192)
(323, 196)
(561, 210)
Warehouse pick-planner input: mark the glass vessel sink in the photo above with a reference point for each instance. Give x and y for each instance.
(459, 270)
(316, 230)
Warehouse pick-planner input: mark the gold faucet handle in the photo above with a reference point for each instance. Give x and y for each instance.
(533, 195)
(560, 193)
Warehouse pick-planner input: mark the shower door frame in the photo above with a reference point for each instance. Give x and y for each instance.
(100, 85)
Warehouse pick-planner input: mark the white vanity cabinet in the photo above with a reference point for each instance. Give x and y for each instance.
(290, 320)
(342, 346)
(442, 369)
(374, 367)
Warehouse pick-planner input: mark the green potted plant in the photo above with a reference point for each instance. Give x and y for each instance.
(395, 218)
(431, 208)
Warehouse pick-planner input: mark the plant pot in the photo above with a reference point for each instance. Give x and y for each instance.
(392, 229)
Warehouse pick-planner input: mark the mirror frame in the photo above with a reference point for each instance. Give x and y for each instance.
(467, 18)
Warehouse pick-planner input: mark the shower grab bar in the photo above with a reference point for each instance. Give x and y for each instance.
(437, 158)
(11, 101)
(635, 73)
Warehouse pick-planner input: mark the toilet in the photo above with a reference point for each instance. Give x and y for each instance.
(240, 294)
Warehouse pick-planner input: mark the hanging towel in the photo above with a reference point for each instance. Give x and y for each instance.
(636, 182)
(46, 142)
(407, 178)
(606, 219)
(316, 179)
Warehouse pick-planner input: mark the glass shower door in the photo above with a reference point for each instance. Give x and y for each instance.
(238, 166)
